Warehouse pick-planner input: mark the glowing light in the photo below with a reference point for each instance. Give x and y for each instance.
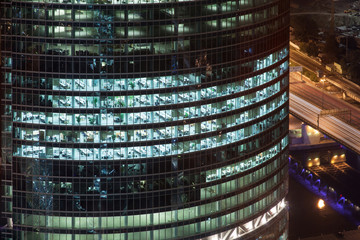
(263, 220)
(249, 225)
(282, 203)
(273, 210)
(321, 204)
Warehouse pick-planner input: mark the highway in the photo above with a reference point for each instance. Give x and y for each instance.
(325, 101)
(305, 61)
(349, 87)
(306, 103)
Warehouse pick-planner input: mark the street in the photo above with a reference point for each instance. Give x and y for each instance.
(313, 66)
(322, 99)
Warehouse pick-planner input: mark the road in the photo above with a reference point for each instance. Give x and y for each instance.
(305, 61)
(306, 103)
(323, 100)
(349, 87)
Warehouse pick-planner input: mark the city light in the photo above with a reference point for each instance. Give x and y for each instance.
(321, 204)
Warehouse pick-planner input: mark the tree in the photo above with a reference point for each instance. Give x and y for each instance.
(331, 49)
(305, 28)
(310, 48)
(354, 72)
(353, 66)
(349, 41)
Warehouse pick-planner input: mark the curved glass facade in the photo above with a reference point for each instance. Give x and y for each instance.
(146, 119)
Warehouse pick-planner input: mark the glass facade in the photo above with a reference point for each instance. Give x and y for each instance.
(144, 119)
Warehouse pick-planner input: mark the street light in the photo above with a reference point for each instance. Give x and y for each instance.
(321, 204)
(323, 80)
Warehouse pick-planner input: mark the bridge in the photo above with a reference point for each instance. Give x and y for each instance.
(331, 115)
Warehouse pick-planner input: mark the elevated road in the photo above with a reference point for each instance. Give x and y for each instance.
(306, 103)
(351, 89)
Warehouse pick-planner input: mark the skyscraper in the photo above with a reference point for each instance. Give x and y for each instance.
(144, 119)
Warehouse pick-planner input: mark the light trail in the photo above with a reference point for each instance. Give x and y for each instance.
(332, 126)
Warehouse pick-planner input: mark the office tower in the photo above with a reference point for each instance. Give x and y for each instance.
(144, 119)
